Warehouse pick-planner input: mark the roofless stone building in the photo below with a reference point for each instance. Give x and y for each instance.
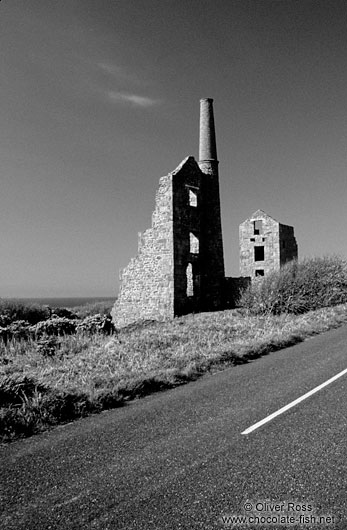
(179, 268)
(265, 245)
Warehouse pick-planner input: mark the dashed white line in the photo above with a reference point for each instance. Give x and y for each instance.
(293, 403)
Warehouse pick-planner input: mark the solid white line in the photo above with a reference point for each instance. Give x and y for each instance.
(293, 403)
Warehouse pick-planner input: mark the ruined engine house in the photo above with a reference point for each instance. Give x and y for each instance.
(179, 267)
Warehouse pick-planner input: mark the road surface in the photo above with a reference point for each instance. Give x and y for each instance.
(179, 460)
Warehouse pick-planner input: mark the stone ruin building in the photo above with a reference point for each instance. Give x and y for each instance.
(179, 267)
(265, 245)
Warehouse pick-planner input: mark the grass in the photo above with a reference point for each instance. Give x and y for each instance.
(50, 377)
(299, 287)
(102, 308)
(42, 385)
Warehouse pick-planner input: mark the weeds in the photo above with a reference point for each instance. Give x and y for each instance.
(47, 379)
(60, 378)
(87, 310)
(299, 287)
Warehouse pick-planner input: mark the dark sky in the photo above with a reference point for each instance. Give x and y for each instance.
(100, 98)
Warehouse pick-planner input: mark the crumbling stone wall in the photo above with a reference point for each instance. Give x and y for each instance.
(198, 245)
(187, 237)
(163, 280)
(179, 268)
(180, 265)
(146, 283)
(265, 245)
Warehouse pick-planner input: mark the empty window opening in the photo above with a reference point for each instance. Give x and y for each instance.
(253, 239)
(258, 253)
(193, 198)
(193, 244)
(258, 227)
(190, 282)
(259, 272)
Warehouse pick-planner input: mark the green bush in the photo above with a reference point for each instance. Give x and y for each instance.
(63, 312)
(103, 307)
(10, 311)
(299, 287)
(96, 324)
(54, 326)
(20, 329)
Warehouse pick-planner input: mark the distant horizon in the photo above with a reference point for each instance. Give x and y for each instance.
(47, 296)
(55, 297)
(59, 301)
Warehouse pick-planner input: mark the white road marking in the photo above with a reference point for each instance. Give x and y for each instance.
(293, 403)
(68, 501)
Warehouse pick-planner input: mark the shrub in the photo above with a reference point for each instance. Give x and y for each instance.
(5, 320)
(299, 287)
(54, 326)
(97, 308)
(11, 310)
(19, 329)
(63, 312)
(96, 324)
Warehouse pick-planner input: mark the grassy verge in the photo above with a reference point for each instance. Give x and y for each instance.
(82, 374)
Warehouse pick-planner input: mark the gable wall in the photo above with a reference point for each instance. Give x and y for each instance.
(268, 238)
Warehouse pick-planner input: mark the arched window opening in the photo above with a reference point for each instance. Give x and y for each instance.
(193, 198)
(190, 282)
(193, 243)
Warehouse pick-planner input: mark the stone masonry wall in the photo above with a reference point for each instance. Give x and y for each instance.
(232, 289)
(163, 280)
(288, 245)
(187, 211)
(268, 238)
(146, 283)
(276, 240)
(179, 268)
(212, 255)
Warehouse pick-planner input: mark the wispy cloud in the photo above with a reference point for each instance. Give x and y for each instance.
(114, 70)
(120, 81)
(121, 74)
(110, 68)
(132, 99)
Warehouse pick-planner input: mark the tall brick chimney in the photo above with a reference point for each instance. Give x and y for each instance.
(207, 146)
(212, 259)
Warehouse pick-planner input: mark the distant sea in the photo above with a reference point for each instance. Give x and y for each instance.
(64, 302)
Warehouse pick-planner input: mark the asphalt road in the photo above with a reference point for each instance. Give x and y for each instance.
(178, 460)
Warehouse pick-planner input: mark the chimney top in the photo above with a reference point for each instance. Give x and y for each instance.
(207, 146)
